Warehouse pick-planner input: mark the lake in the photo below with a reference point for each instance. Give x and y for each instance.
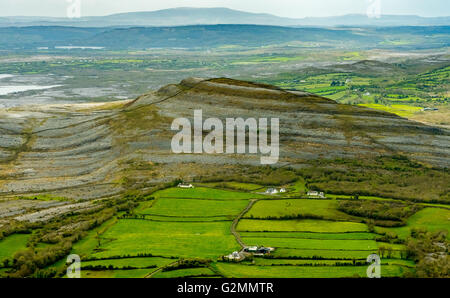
(4, 76)
(4, 90)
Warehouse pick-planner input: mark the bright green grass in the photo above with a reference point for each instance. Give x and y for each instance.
(244, 186)
(333, 196)
(135, 273)
(204, 240)
(393, 246)
(401, 110)
(338, 95)
(304, 225)
(132, 262)
(189, 272)
(327, 254)
(162, 218)
(246, 271)
(274, 262)
(279, 208)
(144, 206)
(86, 246)
(11, 244)
(193, 207)
(299, 187)
(407, 263)
(205, 193)
(235, 185)
(432, 219)
(301, 235)
(312, 243)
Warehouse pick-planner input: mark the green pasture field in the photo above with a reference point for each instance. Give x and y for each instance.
(195, 207)
(140, 263)
(205, 193)
(309, 235)
(249, 271)
(312, 243)
(333, 196)
(401, 110)
(135, 273)
(303, 225)
(298, 188)
(279, 208)
(235, 185)
(338, 95)
(11, 244)
(437, 77)
(182, 239)
(189, 272)
(431, 219)
(186, 227)
(332, 254)
(161, 218)
(88, 244)
(293, 262)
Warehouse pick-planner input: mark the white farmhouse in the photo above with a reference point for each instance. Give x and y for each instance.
(235, 256)
(316, 194)
(271, 191)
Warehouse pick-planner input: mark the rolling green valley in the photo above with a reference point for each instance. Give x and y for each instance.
(357, 118)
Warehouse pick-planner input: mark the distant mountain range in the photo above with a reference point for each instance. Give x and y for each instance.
(212, 16)
(210, 36)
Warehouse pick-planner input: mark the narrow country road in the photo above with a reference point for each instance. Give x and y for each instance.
(237, 219)
(233, 231)
(160, 269)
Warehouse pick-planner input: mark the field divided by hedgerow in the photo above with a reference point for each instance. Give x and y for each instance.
(11, 244)
(432, 219)
(330, 243)
(196, 223)
(297, 207)
(300, 225)
(250, 271)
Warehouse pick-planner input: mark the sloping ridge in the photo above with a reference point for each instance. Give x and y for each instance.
(91, 150)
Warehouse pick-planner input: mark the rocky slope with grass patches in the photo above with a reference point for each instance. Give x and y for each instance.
(92, 151)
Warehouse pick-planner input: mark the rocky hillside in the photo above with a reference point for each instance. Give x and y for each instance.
(98, 150)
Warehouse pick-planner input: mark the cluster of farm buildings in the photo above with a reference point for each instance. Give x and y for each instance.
(258, 251)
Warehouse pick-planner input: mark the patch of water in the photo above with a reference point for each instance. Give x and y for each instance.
(4, 90)
(4, 76)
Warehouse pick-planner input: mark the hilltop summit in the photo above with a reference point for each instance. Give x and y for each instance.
(94, 150)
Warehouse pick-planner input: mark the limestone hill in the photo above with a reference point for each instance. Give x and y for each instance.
(88, 151)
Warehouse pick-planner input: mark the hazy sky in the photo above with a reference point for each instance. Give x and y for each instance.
(286, 8)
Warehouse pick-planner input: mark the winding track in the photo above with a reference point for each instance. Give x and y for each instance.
(237, 219)
(160, 269)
